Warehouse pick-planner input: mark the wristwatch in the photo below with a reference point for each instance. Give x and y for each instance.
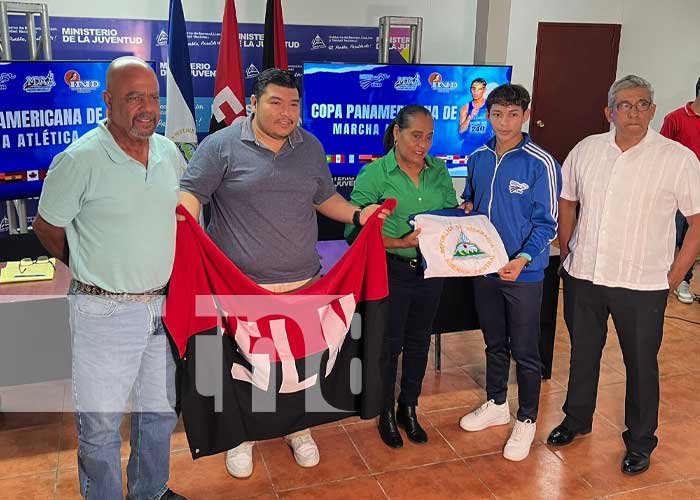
(525, 256)
(356, 217)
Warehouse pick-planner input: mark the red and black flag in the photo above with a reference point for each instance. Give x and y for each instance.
(274, 48)
(229, 92)
(258, 365)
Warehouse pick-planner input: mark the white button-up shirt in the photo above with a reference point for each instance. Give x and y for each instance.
(625, 235)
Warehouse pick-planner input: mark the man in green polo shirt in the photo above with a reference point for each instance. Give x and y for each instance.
(419, 183)
(107, 210)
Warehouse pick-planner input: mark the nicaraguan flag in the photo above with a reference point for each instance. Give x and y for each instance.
(180, 125)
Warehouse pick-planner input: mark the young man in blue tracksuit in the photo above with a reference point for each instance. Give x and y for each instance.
(517, 184)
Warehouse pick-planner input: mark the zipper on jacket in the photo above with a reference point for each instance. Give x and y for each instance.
(495, 170)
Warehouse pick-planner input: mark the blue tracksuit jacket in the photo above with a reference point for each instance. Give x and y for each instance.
(520, 194)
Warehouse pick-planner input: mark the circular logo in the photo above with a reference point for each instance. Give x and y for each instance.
(71, 76)
(467, 250)
(434, 78)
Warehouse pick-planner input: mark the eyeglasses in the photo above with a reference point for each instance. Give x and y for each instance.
(477, 87)
(26, 263)
(641, 106)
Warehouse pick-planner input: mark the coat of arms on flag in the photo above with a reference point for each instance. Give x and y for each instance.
(459, 246)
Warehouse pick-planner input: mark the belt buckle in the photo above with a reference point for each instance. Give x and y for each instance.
(413, 263)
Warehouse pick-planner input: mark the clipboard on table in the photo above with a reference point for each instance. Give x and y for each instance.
(16, 272)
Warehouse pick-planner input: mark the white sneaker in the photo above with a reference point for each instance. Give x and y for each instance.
(239, 460)
(518, 446)
(305, 450)
(485, 416)
(683, 293)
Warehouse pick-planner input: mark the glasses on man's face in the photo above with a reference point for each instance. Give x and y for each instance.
(640, 106)
(26, 263)
(477, 87)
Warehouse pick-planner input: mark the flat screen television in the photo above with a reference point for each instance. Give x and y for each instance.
(44, 107)
(348, 107)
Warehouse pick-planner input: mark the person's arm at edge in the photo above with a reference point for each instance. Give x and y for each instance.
(686, 256)
(339, 209)
(567, 223)
(53, 238)
(191, 204)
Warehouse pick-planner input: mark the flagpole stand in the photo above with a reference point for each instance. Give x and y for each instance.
(18, 208)
(416, 26)
(43, 48)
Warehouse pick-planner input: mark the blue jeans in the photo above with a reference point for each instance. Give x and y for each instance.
(120, 349)
(681, 229)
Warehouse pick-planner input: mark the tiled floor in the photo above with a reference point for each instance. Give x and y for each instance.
(37, 451)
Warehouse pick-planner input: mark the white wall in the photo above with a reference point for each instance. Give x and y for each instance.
(660, 41)
(448, 25)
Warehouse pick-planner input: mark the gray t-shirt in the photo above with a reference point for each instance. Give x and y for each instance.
(262, 213)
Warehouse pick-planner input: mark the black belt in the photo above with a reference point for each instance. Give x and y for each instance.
(414, 263)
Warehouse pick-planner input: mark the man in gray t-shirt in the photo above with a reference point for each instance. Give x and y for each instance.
(265, 178)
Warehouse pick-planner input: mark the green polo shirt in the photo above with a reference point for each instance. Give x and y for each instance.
(118, 215)
(383, 179)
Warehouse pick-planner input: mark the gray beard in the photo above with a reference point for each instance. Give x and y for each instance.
(134, 132)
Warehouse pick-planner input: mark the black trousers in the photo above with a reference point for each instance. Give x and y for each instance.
(413, 304)
(509, 314)
(639, 320)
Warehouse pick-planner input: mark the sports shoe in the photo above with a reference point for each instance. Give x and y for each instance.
(305, 450)
(239, 460)
(518, 446)
(485, 416)
(683, 293)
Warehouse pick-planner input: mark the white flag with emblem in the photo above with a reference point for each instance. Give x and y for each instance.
(459, 246)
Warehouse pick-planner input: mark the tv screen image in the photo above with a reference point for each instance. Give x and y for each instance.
(44, 107)
(349, 106)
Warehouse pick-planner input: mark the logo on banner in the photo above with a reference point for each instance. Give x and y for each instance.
(35, 84)
(515, 187)
(162, 38)
(368, 80)
(32, 175)
(251, 71)
(4, 78)
(77, 84)
(440, 85)
(317, 43)
(408, 83)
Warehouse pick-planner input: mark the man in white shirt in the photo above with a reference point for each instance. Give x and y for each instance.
(618, 259)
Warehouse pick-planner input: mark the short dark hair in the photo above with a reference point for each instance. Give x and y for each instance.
(402, 120)
(697, 88)
(275, 76)
(509, 94)
(478, 80)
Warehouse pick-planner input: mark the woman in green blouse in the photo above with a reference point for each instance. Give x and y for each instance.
(420, 183)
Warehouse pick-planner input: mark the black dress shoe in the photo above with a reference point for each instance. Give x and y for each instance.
(171, 495)
(635, 462)
(561, 435)
(388, 430)
(406, 418)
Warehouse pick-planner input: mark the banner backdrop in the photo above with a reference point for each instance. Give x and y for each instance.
(104, 39)
(88, 38)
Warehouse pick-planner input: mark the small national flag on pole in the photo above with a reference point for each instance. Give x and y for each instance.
(229, 92)
(180, 125)
(274, 47)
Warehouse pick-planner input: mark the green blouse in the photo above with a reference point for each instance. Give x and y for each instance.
(383, 179)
